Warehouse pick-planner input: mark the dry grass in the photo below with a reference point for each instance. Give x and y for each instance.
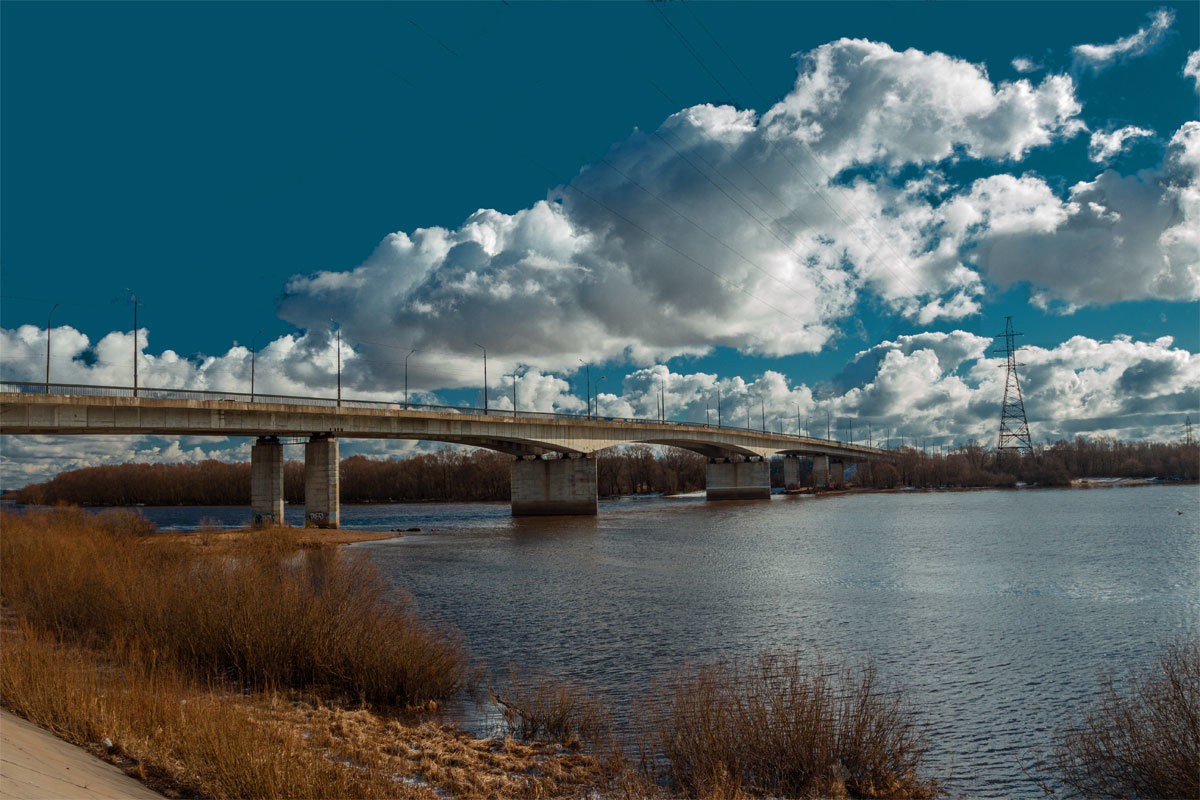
(768, 728)
(168, 733)
(458, 765)
(1144, 742)
(200, 741)
(553, 709)
(263, 612)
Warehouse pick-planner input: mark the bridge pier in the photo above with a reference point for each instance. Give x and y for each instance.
(791, 471)
(737, 480)
(837, 472)
(820, 471)
(266, 482)
(550, 487)
(322, 482)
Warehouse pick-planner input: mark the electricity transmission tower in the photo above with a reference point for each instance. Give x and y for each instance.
(1187, 432)
(1014, 429)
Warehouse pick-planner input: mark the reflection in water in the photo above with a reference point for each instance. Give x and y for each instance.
(998, 610)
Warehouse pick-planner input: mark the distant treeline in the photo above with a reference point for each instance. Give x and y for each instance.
(1054, 465)
(444, 475)
(484, 475)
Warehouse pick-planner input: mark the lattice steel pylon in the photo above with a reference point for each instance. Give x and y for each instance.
(1014, 428)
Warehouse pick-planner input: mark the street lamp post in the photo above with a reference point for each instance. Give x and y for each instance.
(339, 361)
(134, 300)
(253, 353)
(763, 407)
(410, 352)
(48, 318)
(588, 387)
(514, 379)
(718, 405)
(485, 397)
(798, 419)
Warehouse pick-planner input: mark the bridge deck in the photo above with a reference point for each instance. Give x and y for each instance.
(73, 410)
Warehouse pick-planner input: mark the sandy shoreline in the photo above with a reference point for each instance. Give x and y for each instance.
(305, 537)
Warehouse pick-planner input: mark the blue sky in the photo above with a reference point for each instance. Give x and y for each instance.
(205, 154)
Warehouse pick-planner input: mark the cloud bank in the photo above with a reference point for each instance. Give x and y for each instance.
(766, 232)
(720, 228)
(939, 387)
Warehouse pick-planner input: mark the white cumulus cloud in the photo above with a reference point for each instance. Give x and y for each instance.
(1025, 65)
(1191, 68)
(1114, 238)
(1099, 56)
(720, 228)
(1104, 145)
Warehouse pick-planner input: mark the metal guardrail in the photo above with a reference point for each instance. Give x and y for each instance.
(88, 390)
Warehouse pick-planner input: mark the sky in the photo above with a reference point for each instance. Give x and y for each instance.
(825, 208)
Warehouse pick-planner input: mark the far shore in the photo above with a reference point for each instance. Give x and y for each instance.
(1076, 483)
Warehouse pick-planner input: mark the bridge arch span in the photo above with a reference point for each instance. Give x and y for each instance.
(706, 449)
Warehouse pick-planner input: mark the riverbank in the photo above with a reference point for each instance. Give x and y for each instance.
(247, 664)
(181, 738)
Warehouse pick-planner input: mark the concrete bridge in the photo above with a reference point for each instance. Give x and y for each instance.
(554, 471)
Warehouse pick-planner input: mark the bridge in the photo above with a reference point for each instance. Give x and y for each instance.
(554, 471)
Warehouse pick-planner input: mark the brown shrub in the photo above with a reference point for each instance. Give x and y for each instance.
(553, 709)
(263, 612)
(769, 728)
(1144, 742)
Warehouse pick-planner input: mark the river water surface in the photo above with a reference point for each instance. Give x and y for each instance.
(996, 610)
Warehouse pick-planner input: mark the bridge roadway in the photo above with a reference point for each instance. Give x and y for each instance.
(554, 471)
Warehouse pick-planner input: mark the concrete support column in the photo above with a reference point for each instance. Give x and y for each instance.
(549, 487)
(791, 472)
(820, 473)
(266, 482)
(738, 480)
(322, 483)
(837, 473)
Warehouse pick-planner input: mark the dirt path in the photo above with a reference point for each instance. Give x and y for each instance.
(36, 765)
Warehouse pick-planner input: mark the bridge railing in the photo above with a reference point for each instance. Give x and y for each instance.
(91, 390)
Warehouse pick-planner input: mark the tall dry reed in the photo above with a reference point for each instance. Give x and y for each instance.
(263, 612)
(1143, 742)
(771, 728)
(553, 709)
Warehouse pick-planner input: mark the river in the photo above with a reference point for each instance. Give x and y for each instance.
(996, 610)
